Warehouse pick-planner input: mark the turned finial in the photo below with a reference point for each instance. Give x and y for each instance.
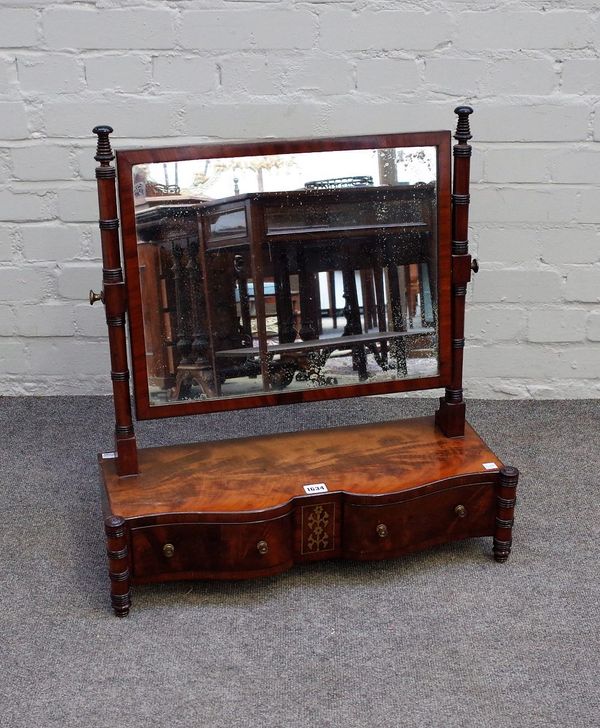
(463, 132)
(104, 152)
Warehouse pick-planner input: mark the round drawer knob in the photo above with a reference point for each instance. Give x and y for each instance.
(96, 297)
(262, 547)
(460, 511)
(382, 530)
(168, 550)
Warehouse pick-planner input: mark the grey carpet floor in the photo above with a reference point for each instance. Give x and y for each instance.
(442, 638)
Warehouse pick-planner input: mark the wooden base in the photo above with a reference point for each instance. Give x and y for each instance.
(253, 507)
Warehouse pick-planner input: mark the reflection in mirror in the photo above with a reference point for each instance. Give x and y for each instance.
(289, 271)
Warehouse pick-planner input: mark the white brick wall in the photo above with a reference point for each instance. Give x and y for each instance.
(168, 70)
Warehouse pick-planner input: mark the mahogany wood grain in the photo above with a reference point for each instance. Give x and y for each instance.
(459, 512)
(114, 298)
(451, 414)
(127, 159)
(267, 473)
(212, 550)
(237, 509)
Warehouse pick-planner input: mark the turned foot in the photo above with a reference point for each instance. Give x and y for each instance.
(501, 550)
(505, 508)
(120, 604)
(118, 565)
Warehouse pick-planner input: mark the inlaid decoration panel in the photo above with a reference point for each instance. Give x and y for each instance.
(318, 528)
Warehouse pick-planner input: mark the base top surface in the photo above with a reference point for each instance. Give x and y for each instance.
(257, 473)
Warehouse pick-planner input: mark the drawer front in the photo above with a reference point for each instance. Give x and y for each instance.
(371, 532)
(211, 550)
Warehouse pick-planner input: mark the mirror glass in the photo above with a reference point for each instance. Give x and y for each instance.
(261, 274)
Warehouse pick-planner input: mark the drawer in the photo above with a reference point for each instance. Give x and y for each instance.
(211, 550)
(382, 531)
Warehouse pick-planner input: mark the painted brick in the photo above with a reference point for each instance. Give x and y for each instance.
(496, 324)
(517, 164)
(78, 205)
(344, 30)
(477, 162)
(57, 357)
(17, 27)
(507, 245)
(53, 242)
(189, 74)
(8, 76)
(570, 245)
(127, 73)
(79, 27)
(576, 166)
(7, 242)
(323, 67)
(26, 206)
(564, 389)
(583, 284)
(593, 326)
(510, 360)
(50, 74)
(387, 75)
(457, 76)
(581, 76)
(589, 210)
(95, 245)
(7, 321)
(520, 76)
(85, 162)
(357, 115)
(75, 280)
(51, 319)
(533, 122)
(13, 358)
(306, 74)
(517, 286)
(41, 162)
(246, 75)
(503, 29)
(90, 320)
(247, 29)
(578, 362)
(25, 283)
(13, 120)
(136, 117)
(531, 204)
(556, 324)
(5, 165)
(241, 121)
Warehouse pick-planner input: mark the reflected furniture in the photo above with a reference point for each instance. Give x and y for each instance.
(339, 280)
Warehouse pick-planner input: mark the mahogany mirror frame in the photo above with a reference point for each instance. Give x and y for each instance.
(128, 158)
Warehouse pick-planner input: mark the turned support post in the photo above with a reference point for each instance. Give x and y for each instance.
(505, 507)
(115, 302)
(450, 417)
(118, 565)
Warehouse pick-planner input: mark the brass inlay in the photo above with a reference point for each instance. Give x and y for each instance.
(317, 528)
